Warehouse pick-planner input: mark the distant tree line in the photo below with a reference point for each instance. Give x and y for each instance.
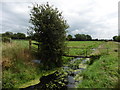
(83, 37)
(116, 38)
(79, 37)
(14, 35)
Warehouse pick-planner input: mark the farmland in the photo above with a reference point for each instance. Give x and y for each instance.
(80, 48)
(19, 71)
(104, 70)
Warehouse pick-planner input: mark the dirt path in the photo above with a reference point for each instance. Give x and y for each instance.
(117, 43)
(97, 50)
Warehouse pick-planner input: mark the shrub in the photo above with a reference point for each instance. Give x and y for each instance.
(50, 28)
(6, 39)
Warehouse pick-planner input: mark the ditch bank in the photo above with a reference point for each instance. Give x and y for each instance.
(68, 76)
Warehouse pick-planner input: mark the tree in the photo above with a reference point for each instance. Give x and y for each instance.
(89, 37)
(7, 34)
(118, 38)
(18, 36)
(69, 37)
(83, 37)
(50, 28)
(21, 35)
(78, 37)
(115, 38)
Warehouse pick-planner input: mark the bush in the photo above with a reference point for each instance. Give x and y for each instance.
(6, 39)
(50, 29)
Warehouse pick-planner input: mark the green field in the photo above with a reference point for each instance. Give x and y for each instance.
(19, 70)
(82, 47)
(103, 73)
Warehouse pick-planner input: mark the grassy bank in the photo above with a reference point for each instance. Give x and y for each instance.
(18, 69)
(103, 73)
(17, 65)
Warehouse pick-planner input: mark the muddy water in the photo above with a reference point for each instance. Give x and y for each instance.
(73, 75)
(67, 77)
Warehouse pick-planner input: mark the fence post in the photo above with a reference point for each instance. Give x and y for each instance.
(30, 44)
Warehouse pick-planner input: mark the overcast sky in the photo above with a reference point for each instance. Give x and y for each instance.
(98, 18)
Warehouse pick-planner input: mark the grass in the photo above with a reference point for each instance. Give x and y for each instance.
(32, 82)
(17, 65)
(19, 71)
(83, 47)
(103, 73)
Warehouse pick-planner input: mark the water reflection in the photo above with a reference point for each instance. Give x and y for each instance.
(67, 77)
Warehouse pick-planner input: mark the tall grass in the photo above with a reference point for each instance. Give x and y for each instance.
(18, 69)
(17, 65)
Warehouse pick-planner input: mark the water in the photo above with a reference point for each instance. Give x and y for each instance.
(36, 61)
(72, 83)
(68, 77)
(94, 49)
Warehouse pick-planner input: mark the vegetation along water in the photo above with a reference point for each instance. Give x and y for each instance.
(48, 58)
(19, 71)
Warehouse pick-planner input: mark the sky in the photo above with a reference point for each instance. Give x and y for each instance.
(98, 18)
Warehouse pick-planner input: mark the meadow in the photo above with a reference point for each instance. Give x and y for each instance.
(19, 71)
(104, 72)
(82, 47)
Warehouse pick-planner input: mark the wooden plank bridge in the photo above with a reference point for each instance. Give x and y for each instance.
(77, 56)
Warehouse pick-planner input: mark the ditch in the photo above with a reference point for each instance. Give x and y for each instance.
(68, 76)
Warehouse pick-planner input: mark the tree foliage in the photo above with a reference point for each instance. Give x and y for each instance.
(7, 34)
(6, 39)
(116, 38)
(14, 35)
(69, 37)
(79, 37)
(83, 37)
(50, 29)
(18, 36)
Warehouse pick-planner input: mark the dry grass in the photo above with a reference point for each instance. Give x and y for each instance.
(17, 64)
(12, 52)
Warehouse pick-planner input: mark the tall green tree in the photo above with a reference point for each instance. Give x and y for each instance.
(115, 38)
(78, 36)
(118, 38)
(18, 36)
(69, 37)
(7, 34)
(83, 37)
(50, 28)
(88, 37)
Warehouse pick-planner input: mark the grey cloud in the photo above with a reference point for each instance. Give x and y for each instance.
(13, 21)
(81, 18)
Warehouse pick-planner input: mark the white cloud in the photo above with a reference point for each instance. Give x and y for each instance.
(98, 18)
